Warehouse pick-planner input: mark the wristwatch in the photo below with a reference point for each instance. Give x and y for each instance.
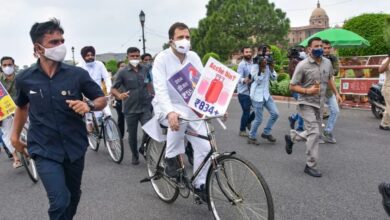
(91, 105)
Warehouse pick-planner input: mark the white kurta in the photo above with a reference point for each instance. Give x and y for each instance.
(167, 100)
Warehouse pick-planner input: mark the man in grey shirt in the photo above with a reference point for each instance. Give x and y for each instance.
(130, 86)
(311, 78)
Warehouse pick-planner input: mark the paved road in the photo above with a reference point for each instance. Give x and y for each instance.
(352, 169)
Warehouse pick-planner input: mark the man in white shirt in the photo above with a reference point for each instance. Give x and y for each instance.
(97, 71)
(169, 105)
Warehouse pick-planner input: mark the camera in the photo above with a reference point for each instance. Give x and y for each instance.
(263, 56)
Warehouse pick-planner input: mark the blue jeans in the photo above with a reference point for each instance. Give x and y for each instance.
(62, 184)
(333, 113)
(247, 117)
(274, 115)
(297, 117)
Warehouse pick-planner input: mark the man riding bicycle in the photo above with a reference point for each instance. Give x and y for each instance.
(168, 105)
(98, 72)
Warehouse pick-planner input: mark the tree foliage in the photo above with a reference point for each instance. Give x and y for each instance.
(386, 32)
(111, 66)
(232, 24)
(208, 55)
(369, 26)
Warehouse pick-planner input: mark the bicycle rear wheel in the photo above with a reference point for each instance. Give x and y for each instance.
(238, 191)
(164, 188)
(113, 140)
(29, 165)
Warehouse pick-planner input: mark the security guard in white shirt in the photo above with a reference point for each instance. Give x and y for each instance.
(97, 71)
(168, 105)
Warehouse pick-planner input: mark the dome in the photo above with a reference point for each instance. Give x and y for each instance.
(319, 16)
(318, 12)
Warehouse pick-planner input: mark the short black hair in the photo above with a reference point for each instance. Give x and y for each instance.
(264, 45)
(145, 55)
(313, 39)
(133, 50)
(177, 25)
(85, 50)
(326, 42)
(245, 47)
(7, 58)
(38, 30)
(119, 64)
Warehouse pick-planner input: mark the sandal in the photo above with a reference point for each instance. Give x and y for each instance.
(17, 164)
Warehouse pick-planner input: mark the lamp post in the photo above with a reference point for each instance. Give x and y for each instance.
(74, 62)
(142, 20)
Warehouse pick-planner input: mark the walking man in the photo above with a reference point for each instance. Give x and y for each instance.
(262, 72)
(51, 94)
(243, 87)
(7, 78)
(311, 78)
(331, 99)
(385, 67)
(131, 87)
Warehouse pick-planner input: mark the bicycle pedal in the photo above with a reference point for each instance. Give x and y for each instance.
(197, 200)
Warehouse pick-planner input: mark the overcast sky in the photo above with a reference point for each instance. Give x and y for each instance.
(113, 26)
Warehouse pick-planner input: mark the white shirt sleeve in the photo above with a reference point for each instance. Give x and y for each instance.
(106, 77)
(160, 84)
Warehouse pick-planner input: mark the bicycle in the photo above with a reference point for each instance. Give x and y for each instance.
(27, 162)
(235, 188)
(106, 129)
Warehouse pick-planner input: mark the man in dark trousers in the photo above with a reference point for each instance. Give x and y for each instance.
(51, 94)
(131, 86)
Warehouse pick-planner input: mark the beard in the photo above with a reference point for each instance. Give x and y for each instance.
(247, 58)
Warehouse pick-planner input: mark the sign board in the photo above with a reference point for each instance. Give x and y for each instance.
(356, 86)
(7, 105)
(184, 81)
(214, 89)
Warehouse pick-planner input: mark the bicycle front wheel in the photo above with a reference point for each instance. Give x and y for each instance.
(238, 191)
(29, 165)
(113, 140)
(163, 187)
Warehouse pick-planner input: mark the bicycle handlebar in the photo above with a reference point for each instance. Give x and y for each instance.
(218, 117)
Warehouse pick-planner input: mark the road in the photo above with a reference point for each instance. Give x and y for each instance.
(351, 169)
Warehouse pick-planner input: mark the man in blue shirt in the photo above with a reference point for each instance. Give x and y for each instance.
(244, 69)
(262, 72)
(51, 94)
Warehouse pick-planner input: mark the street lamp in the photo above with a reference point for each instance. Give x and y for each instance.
(74, 62)
(142, 20)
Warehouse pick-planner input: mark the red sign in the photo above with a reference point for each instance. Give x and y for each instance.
(356, 86)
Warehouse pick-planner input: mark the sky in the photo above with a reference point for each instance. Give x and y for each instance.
(113, 26)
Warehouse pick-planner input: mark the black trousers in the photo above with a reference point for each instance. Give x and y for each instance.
(132, 120)
(62, 184)
(121, 117)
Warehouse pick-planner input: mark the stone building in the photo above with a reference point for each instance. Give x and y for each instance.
(319, 21)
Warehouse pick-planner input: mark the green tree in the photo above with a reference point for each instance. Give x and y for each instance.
(232, 24)
(369, 26)
(111, 66)
(208, 55)
(386, 32)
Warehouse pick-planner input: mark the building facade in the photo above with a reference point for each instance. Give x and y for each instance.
(319, 21)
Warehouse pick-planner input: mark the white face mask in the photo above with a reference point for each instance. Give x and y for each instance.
(134, 62)
(8, 70)
(90, 64)
(57, 53)
(182, 46)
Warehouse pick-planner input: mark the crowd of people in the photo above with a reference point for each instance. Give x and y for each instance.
(57, 99)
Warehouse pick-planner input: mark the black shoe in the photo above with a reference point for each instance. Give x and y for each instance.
(386, 128)
(172, 165)
(292, 122)
(134, 160)
(312, 172)
(201, 193)
(289, 144)
(383, 190)
(269, 137)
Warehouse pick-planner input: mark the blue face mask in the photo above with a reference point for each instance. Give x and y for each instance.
(317, 52)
